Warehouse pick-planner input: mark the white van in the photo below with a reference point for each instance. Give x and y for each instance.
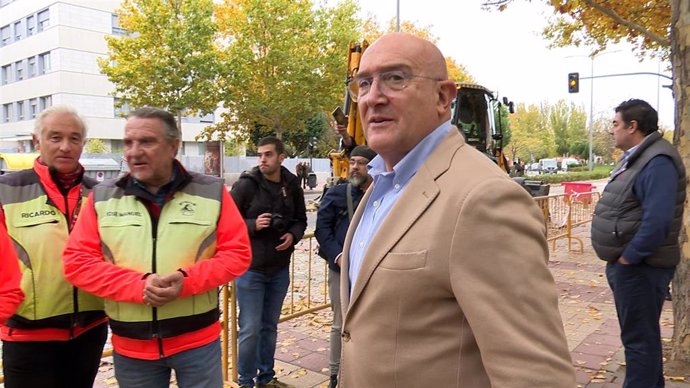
(548, 166)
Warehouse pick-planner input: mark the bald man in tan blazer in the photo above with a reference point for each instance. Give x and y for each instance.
(444, 279)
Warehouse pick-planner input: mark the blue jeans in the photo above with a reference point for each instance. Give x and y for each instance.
(260, 298)
(639, 292)
(194, 368)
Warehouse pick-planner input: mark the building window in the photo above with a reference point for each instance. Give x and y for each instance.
(5, 72)
(33, 108)
(18, 30)
(121, 107)
(117, 30)
(43, 20)
(7, 112)
(44, 102)
(116, 146)
(31, 67)
(20, 110)
(19, 70)
(30, 25)
(43, 63)
(5, 36)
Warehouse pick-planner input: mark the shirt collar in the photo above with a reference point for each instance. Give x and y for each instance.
(405, 169)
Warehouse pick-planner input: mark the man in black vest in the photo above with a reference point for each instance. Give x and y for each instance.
(332, 221)
(635, 229)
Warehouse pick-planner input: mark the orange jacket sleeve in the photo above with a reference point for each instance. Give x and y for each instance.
(233, 253)
(11, 294)
(86, 268)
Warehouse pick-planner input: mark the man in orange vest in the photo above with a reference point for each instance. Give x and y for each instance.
(56, 336)
(156, 244)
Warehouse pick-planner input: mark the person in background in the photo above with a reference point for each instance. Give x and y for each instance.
(271, 202)
(635, 230)
(56, 336)
(332, 221)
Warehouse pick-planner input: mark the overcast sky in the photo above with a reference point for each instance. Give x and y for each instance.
(505, 52)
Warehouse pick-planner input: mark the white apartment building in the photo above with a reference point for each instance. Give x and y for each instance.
(48, 53)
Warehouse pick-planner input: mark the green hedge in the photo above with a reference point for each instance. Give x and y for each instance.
(599, 172)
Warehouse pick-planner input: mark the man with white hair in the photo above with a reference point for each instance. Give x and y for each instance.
(56, 336)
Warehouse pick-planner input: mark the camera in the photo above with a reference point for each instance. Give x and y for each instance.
(278, 222)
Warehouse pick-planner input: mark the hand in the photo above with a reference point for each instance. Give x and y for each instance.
(622, 260)
(263, 221)
(342, 131)
(287, 239)
(159, 291)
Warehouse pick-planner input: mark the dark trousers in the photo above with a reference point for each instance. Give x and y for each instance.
(639, 292)
(54, 364)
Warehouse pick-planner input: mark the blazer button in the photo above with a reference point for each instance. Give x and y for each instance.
(345, 336)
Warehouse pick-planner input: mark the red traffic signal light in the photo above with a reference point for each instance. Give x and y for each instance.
(573, 82)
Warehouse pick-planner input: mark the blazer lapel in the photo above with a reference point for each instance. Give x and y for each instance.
(418, 195)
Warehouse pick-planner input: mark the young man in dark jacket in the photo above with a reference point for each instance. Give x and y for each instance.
(271, 202)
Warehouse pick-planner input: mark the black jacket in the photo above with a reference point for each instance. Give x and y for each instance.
(332, 222)
(253, 198)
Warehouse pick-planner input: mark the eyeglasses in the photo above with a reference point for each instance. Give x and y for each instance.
(394, 80)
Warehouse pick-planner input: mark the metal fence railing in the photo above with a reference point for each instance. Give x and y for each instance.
(563, 212)
(308, 293)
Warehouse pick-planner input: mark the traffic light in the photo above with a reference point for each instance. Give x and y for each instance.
(573, 82)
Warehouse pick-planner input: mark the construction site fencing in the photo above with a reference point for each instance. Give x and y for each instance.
(308, 292)
(563, 212)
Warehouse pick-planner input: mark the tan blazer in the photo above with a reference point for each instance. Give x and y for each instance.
(454, 290)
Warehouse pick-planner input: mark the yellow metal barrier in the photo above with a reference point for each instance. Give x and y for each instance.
(563, 212)
(308, 294)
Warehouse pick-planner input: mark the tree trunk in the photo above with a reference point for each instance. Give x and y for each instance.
(680, 56)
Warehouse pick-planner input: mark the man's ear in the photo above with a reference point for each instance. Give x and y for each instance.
(37, 143)
(446, 93)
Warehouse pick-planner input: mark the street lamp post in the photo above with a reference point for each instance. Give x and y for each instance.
(397, 18)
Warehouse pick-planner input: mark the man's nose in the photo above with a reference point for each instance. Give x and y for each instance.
(65, 145)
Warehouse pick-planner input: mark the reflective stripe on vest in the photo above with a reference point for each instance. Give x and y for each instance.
(186, 233)
(39, 232)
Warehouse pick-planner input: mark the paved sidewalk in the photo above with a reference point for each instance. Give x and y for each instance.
(586, 306)
(587, 309)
